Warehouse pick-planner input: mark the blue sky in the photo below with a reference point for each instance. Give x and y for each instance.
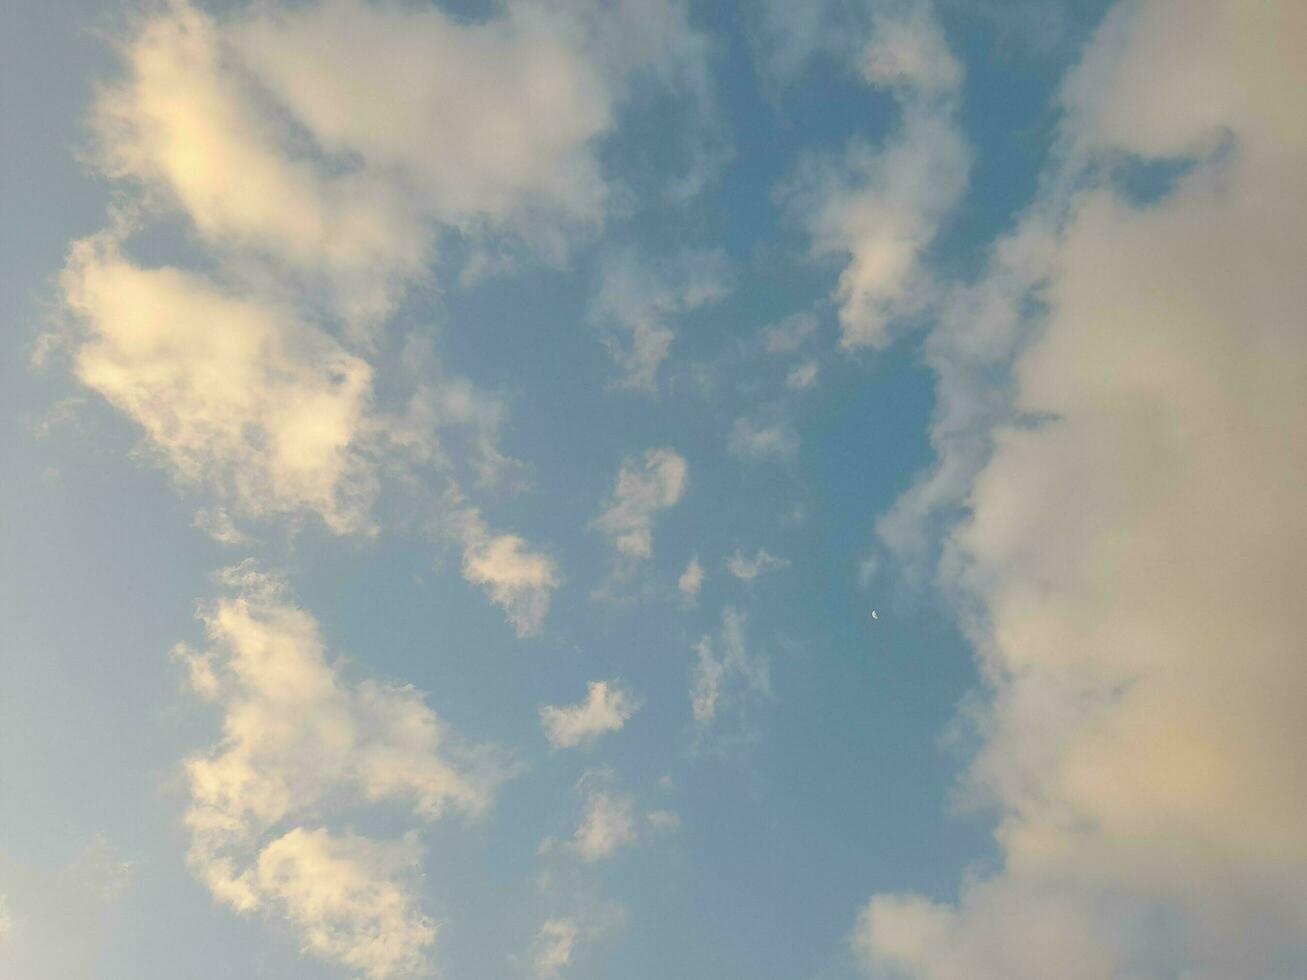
(453, 451)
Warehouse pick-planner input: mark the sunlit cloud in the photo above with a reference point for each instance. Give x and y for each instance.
(1130, 560)
(299, 738)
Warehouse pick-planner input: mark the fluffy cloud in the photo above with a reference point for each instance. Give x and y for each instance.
(636, 297)
(882, 206)
(726, 670)
(646, 486)
(748, 569)
(1131, 562)
(187, 125)
(606, 708)
(516, 578)
(241, 397)
(349, 899)
(533, 71)
(490, 127)
(312, 211)
(298, 738)
(233, 392)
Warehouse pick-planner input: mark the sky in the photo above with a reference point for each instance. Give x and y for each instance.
(452, 453)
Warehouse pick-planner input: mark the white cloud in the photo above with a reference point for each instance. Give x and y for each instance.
(802, 377)
(516, 578)
(297, 739)
(242, 398)
(1131, 563)
(348, 897)
(553, 947)
(440, 80)
(636, 297)
(646, 486)
(726, 669)
(748, 569)
(233, 392)
(606, 708)
(188, 126)
(691, 580)
(489, 127)
(768, 437)
(312, 211)
(882, 207)
(607, 823)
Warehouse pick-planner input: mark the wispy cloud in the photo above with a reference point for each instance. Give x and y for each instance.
(882, 206)
(748, 569)
(645, 486)
(637, 298)
(725, 670)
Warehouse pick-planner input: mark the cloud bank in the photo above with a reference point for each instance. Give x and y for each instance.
(1130, 552)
